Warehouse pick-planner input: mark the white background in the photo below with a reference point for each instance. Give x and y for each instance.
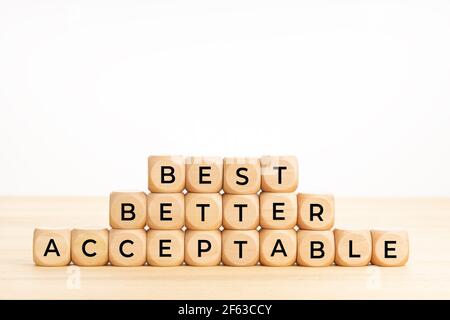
(359, 91)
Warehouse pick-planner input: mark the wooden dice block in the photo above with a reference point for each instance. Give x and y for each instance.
(90, 247)
(166, 174)
(277, 210)
(315, 212)
(202, 248)
(241, 175)
(203, 211)
(353, 247)
(165, 211)
(127, 210)
(240, 212)
(390, 248)
(127, 248)
(51, 248)
(315, 248)
(240, 248)
(279, 174)
(204, 174)
(277, 248)
(165, 248)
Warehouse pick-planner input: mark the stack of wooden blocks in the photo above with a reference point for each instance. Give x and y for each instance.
(206, 211)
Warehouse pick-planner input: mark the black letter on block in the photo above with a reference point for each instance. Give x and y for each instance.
(202, 206)
(317, 214)
(240, 243)
(162, 247)
(275, 250)
(165, 174)
(83, 248)
(238, 173)
(162, 211)
(126, 255)
(240, 206)
(204, 174)
(350, 249)
(51, 243)
(387, 249)
(124, 211)
(200, 250)
(280, 169)
(275, 210)
(320, 248)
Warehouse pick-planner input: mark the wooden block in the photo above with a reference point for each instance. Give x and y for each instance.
(165, 211)
(315, 212)
(279, 174)
(127, 209)
(204, 174)
(277, 248)
(277, 210)
(51, 248)
(240, 248)
(166, 174)
(165, 248)
(203, 211)
(202, 248)
(90, 247)
(390, 248)
(127, 248)
(241, 175)
(353, 247)
(240, 211)
(315, 248)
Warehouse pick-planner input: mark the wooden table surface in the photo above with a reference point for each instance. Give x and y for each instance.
(426, 276)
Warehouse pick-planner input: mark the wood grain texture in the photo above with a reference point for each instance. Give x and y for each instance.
(426, 276)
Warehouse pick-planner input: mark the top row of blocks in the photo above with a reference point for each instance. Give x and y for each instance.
(169, 174)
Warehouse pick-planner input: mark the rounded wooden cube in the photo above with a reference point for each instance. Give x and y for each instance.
(240, 212)
(90, 247)
(165, 211)
(353, 247)
(165, 248)
(315, 248)
(277, 210)
(202, 248)
(279, 173)
(240, 248)
(166, 174)
(277, 248)
(241, 175)
(315, 212)
(203, 211)
(204, 174)
(51, 248)
(127, 209)
(389, 248)
(127, 248)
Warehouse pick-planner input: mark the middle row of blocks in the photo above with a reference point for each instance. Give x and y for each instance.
(210, 211)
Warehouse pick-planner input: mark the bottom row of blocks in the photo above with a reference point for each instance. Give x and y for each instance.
(209, 248)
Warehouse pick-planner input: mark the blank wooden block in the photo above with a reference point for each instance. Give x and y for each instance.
(51, 248)
(127, 248)
(166, 174)
(203, 211)
(279, 174)
(165, 211)
(277, 248)
(315, 211)
(127, 209)
(390, 248)
(277, 210)
(241, 175)
(202, 248)
(165, 248)
(90, 247)
(204, 174)
(240, 212)
(315, 248)
(353, 247)
(240, 248)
